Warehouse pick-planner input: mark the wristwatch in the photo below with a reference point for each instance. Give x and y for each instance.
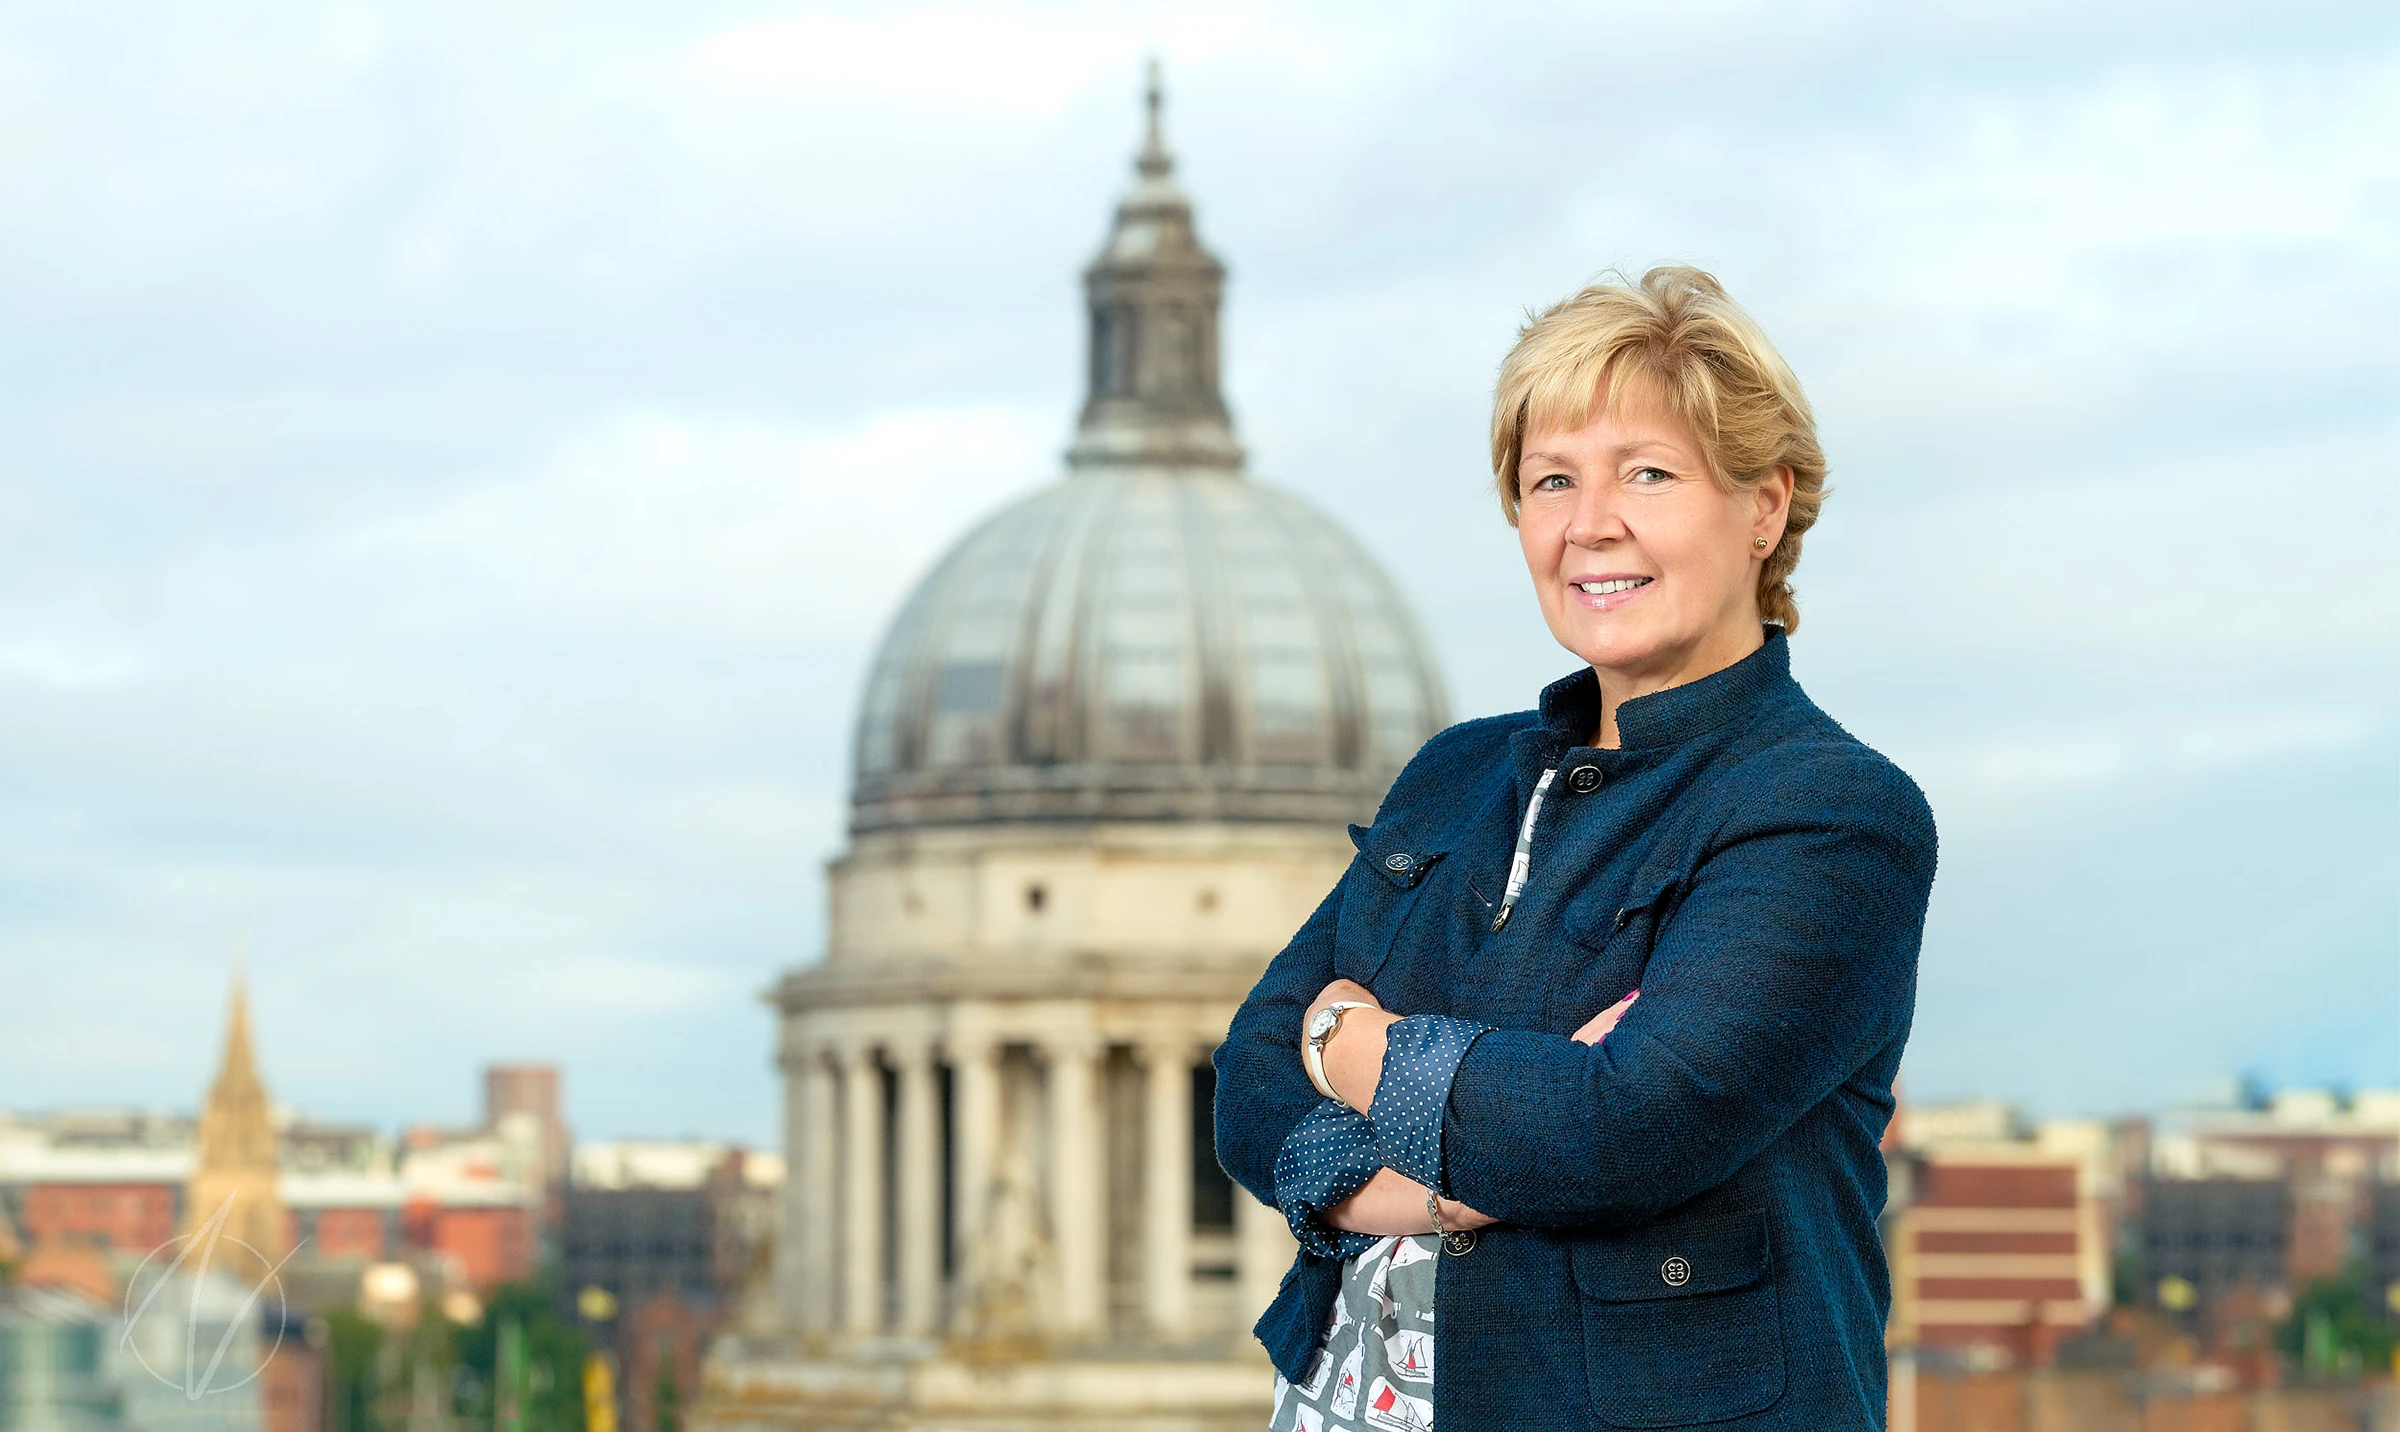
(1321, 1028)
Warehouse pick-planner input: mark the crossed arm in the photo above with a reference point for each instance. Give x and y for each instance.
(1392, 1202)
(1789, 963)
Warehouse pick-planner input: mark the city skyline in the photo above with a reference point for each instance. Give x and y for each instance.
(458, 485)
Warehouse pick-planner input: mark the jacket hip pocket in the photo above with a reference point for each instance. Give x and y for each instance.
(1681, 1323)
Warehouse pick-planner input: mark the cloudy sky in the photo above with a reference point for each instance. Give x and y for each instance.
(455, 460)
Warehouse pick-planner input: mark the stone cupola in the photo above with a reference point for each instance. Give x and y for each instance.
(1153, 293)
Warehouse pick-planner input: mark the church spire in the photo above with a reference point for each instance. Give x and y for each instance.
(237, 1072)
(236, 1157)
(1153, 295)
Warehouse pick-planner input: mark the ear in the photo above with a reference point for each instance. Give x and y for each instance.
(1771, 503)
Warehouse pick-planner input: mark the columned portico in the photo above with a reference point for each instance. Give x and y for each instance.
(862, 1190)
(1167, 1186)
(810, 1207)
(1078, 1213)
(975, 1158)
(918, 1202)
(931, 1226)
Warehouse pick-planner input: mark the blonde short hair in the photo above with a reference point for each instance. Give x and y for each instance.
(1705, 359)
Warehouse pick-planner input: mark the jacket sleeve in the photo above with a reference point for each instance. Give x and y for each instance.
(1262, 1092)
(1790, 962)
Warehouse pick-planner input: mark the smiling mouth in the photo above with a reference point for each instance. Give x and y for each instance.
(1621, 584)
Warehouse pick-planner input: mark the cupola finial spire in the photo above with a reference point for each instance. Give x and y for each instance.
(1153, 294)
(1155, 162)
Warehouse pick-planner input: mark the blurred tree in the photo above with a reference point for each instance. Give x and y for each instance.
(554, 1349)
(2125, 1279)
(2336, 1328)
(353, 1377)
(667, 1402)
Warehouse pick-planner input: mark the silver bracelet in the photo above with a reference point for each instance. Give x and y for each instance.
(1458, 1242)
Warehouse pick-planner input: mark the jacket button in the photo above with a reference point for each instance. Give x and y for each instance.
(1584, 780)
(1676, 1272)
(1397, 862)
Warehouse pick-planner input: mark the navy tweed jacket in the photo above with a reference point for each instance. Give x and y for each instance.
(1687, 1210)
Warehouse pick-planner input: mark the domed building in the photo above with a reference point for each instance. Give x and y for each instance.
(1103, 765)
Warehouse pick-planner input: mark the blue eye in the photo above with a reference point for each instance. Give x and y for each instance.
(1639, 475)
(1543, 484)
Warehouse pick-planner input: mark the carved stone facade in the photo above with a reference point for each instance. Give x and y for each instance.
(1103, 765)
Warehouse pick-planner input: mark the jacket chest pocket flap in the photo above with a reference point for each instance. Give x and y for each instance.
(1680, 1321)
(1632, 920)
(1374, 910)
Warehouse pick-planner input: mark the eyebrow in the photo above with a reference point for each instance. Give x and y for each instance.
(1645, 445)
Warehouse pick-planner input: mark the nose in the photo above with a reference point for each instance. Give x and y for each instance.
(1596, 518)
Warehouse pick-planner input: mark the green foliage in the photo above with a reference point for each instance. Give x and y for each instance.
(2337, 1328)
(668, 1398)
(353, 1381)
(554, 1352)
(2125, 1279)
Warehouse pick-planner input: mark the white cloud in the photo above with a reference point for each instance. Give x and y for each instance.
(747, 531)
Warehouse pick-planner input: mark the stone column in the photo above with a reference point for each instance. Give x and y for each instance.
(811, 1192)
(1263, 1249)
(862, 1189)
(1167, 1187)
(918, 1201)
(975, 1161)
(1078, 1201)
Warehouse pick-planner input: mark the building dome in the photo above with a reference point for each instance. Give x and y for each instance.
(1154, 637)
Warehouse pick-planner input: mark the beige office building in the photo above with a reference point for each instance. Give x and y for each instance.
(1105, 758)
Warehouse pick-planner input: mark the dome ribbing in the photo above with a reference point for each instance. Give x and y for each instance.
(1154, 637)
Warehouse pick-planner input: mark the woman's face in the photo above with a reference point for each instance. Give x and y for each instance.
(1645, 567)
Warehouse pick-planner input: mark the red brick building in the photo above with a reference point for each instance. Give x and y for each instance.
(1997, 1255)
(366, 1231)
(128, 1217)
(484, 1244)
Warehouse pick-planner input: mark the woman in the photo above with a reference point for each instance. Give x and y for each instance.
(1659, 1212)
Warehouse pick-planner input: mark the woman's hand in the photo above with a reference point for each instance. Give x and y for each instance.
(1394, 1203)
(1597, 1027)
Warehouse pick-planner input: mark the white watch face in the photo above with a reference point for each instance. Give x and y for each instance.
(1322, 1025)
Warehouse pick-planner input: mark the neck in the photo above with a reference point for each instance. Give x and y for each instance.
(1725, 644)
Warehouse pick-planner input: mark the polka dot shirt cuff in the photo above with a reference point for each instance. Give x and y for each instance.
(1420, 1058)
(1329, 1156)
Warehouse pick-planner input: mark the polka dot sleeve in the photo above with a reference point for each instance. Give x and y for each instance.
(1420, 1058)
(1327, 1158)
